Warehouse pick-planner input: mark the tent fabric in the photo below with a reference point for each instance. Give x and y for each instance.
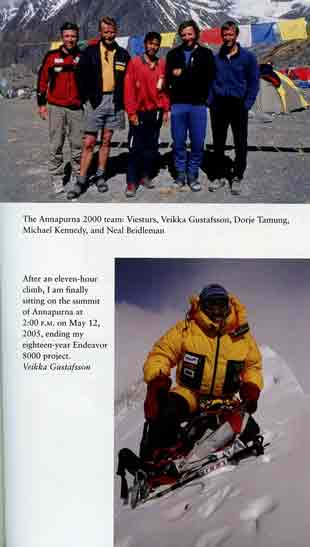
(263, 33)
(245, 36)
(302, 84)
(167, 39)
(272, 78)
(123, 41)
(299, 73)
(279, 100)
(136, 45)
(292, 96)
(211, 36)
(293, 29)
(268, 99)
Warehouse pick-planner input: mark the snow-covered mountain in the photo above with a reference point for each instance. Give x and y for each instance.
(6, 14)
(262, 502)
(165, 13)
(28, 29)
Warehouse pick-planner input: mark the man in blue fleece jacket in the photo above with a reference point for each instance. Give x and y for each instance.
(233, 94)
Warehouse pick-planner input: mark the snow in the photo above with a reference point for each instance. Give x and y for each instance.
(6, 14)
(262, 502)
(170, 12)
(265, 10)
(55, 7)
(28, 14)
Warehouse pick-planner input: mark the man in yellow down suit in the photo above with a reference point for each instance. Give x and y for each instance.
(216, 357)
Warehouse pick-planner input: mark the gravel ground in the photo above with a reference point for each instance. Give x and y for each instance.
(278, 163)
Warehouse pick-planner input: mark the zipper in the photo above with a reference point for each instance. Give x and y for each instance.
(215, 363)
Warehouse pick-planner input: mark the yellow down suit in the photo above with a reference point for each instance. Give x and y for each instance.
(210, 362)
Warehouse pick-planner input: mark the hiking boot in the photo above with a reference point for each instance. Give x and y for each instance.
(193, 183)
(236, 186)
(180, 180)
(101, 185)
(131, 190)
(147, 182)
(216, 184)
(76, 190)
(58, 184)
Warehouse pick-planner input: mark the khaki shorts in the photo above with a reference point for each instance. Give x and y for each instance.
(104, 116)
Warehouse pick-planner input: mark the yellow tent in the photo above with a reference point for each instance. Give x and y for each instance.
(279, 100)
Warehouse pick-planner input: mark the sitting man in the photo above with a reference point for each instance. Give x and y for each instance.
(216, 357)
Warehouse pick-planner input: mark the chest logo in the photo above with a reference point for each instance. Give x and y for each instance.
(192, 370)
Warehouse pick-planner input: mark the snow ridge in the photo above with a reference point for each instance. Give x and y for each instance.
(170, 12)
(6, 14)
(262, 501)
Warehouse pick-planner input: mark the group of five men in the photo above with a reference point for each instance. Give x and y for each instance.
(88, 92)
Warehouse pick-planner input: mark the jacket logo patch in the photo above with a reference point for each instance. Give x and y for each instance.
(243, 329)
(58, 60)
(192, 370)
(189, 358)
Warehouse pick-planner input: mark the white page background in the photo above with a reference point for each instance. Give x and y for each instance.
(58, 428)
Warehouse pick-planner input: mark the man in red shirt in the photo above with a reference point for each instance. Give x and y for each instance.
(59, 102)
(147, 106)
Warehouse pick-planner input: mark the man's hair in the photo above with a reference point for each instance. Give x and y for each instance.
(69, 26)
(189, 23)
(150, 36)
(230, 24)
(107, 21)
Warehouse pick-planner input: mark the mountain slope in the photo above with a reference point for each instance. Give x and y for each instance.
(28, 29)
(263, 501)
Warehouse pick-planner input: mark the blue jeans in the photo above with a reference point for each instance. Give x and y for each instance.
(192, 119)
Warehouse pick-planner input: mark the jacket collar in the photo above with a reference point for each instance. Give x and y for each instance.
(115, 45)
(223, 52)
(149, 63)
(64, 53)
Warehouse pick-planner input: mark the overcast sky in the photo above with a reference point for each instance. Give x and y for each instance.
(276, 293)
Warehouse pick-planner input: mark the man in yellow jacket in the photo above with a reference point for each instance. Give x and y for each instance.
(216, 357)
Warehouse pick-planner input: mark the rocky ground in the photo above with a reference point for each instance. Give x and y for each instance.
(278, 163)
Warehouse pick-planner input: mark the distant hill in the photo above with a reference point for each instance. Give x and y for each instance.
(291, 53)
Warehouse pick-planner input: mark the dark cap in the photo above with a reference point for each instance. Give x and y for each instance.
(211, 293)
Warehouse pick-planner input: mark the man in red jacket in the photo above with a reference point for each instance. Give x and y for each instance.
(57, 88)
(147, 106)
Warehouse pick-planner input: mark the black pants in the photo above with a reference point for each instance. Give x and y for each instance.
(229, 111)
(164, 432)
(143, 146)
